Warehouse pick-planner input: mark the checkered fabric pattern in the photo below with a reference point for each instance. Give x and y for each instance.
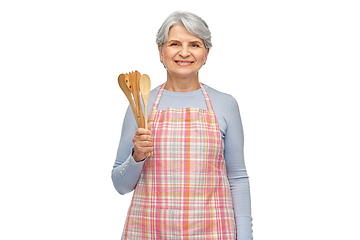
(183, 191)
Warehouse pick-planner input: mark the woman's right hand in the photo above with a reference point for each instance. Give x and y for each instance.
(143, 143)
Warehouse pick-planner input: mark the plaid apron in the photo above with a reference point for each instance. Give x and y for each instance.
(183, 191)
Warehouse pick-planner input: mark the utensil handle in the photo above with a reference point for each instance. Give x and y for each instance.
(134, 112)
(148, 154)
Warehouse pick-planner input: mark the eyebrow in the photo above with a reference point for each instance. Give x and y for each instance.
(194, 41)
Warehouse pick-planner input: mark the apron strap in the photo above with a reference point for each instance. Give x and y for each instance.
(207, 98)
(158, 96)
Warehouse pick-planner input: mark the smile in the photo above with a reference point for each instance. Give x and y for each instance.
(183, 63)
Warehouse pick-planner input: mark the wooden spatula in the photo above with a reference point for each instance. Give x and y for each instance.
(124, 87)
(134, 85)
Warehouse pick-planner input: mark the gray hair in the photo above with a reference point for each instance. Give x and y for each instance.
(194, 24)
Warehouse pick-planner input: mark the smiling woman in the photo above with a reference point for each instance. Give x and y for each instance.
(195, 186)
(183, 55)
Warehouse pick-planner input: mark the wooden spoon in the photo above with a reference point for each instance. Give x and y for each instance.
(127, 92)
(145, 86)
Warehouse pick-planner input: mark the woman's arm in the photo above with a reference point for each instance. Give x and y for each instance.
(126, 170)
(236, 171)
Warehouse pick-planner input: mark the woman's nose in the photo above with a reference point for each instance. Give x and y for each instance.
(184, 52)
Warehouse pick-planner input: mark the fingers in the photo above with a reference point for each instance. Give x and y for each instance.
(143, 137)
(143, 143)
(142, 131)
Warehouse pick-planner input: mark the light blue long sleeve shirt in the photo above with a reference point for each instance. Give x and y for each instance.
(126, 170)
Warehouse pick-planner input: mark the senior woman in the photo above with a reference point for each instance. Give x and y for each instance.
(195, 186)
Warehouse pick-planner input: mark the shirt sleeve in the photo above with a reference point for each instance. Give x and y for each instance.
(126, 171)
(236, 171)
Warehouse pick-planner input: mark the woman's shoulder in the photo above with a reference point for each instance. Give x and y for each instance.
(218, 96)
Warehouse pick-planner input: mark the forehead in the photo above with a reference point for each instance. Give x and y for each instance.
(180, 33)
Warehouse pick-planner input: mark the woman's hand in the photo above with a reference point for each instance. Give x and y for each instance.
(143, 143)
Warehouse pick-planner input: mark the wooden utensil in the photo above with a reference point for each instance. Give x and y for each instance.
(124, 87)
(134, 85)
(145, 86)
(127, 80)
(131, 84)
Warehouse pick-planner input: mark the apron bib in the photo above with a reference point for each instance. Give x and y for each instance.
(183, 191)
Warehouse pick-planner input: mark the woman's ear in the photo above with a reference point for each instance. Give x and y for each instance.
(206, 54)
(160, 53)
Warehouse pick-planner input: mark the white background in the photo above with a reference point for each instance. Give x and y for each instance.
(293, 67)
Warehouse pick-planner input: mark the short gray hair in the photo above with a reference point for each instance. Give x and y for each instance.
(194, 24)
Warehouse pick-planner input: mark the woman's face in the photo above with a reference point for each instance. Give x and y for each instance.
(183, 54)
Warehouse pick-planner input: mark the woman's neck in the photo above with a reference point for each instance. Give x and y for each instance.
(174, 84)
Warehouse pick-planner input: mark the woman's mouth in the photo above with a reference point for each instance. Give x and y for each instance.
(183, 63)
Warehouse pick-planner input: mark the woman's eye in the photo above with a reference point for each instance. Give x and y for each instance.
(194, 45)
(174, 44)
